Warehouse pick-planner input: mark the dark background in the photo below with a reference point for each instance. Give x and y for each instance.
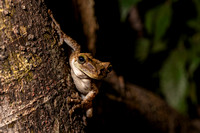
(117, 42)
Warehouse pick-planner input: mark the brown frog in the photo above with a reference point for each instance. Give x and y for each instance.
(84, 70)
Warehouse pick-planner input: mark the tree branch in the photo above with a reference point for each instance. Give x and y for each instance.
(152, 107)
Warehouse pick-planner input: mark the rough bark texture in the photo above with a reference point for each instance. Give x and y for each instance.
(34, 78)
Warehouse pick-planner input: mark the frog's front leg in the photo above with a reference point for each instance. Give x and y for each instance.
(86, 103)
(63, 37)
(89, 98)
(91, 95)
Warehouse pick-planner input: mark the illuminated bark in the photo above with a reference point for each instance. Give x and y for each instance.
(34, 76)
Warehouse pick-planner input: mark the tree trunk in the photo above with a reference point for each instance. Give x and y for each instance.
(86, 11)
(34, 78)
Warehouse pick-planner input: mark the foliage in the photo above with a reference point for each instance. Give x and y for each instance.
(168, 29)
(125, 7)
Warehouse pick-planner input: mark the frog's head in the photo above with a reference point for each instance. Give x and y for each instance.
(84, 66)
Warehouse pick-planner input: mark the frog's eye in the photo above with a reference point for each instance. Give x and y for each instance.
(109, 68)
(81, 59)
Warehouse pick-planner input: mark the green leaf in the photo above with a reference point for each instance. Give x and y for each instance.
(163, 21)
(159, 46)
(158, 20)
(193, 52)
(125, 6)
(149, 21)
(142, 49)
(173, 80)
(193, 65)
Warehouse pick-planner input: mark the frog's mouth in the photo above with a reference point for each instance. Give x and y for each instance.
(88, 74)
(91, 70)
(93, 74)
(84, 72)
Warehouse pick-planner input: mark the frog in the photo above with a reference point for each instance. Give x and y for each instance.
(85, 71)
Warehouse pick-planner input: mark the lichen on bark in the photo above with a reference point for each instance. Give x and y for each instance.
(34, 76)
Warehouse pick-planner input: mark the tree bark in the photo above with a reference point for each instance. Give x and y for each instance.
(86, 11)
(35, 80)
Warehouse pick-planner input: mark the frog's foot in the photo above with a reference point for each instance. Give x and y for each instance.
(85, 105)
(74, 108)
(74, 98)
